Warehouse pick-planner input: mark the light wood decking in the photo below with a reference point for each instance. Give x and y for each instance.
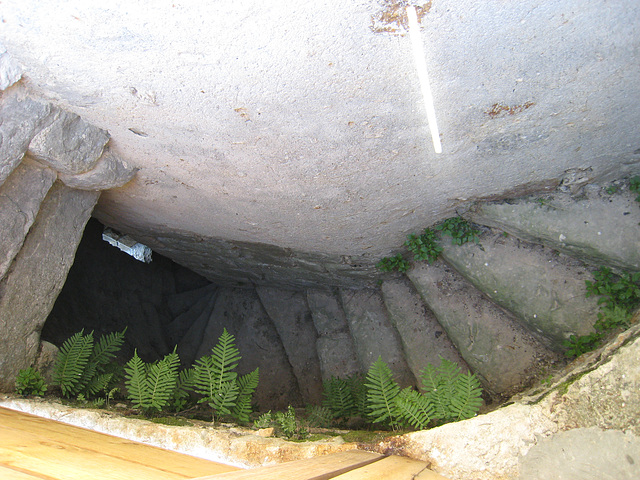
(37, 448)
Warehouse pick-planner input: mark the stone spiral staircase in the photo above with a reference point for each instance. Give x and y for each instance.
(500, 308)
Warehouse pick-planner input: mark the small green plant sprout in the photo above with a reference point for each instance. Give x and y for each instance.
(151, 386)
(622, 291)
(289, 426)
(218, 384)
(634, 186)
(425, 246)
(576, 346)
(30, 382)
(264, 420)
(619, 297)
(83, 366)
(459, 230)
(611, 189)
(389, 264)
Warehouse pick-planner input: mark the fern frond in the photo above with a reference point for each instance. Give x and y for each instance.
(381, 391)
(106, 348)
(136, 382)
(247, 384)
(97, 383)
(71, 362)
(359, 394)
(226, 357)
(161, 381)
(225, 398)
(414, 408)
(338, 397)
(466, 399)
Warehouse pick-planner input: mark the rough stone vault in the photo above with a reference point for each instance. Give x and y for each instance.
(270, 154)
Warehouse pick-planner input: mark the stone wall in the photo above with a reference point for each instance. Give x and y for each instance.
(53, 166)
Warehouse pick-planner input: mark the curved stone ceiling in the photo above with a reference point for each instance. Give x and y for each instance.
(291, 136)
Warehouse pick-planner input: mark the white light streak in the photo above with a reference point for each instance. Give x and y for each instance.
(421, 67)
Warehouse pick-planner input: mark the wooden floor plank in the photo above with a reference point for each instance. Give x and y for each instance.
(108, 444)
(7, 473)
(45, 449)
(317, 468)
(394, 467)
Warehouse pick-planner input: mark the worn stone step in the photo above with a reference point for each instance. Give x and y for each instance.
(292, 318)
(423, 339)
(179, 303)
(544, 289)
(34, 280)
(20, 198)
(242, 314)
(491, 340)
(187, 330)
(373, 334)
(597, 227)
(334, 345)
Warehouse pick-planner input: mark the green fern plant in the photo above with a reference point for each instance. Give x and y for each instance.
(83, 367)
(414, 408)
(215, 380)
(454, 396)
(381, 392)
(151, 386)
(247, 386)
(338, 397)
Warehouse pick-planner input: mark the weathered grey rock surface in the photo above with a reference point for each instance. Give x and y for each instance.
(21, 118)
(334, 345)
(109, 172)
(584, 453)
(423, 339)
(545, 291)
(291, 316)
(20, 197)
(597, 227)
(69, 144)
(373, 334)
(31, 286)
(490, 340)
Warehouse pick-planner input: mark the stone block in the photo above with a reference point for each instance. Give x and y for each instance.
(37, 274)
(423, 339)
(110, 172)
(373, 334)
(69, 145)
(595, 228)
(291, 316)
(20, 120)
(545, 290)
(335, 347)
(491, 341)
(337, 356)
(20, 198)
(10, 69)
(326, 311)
